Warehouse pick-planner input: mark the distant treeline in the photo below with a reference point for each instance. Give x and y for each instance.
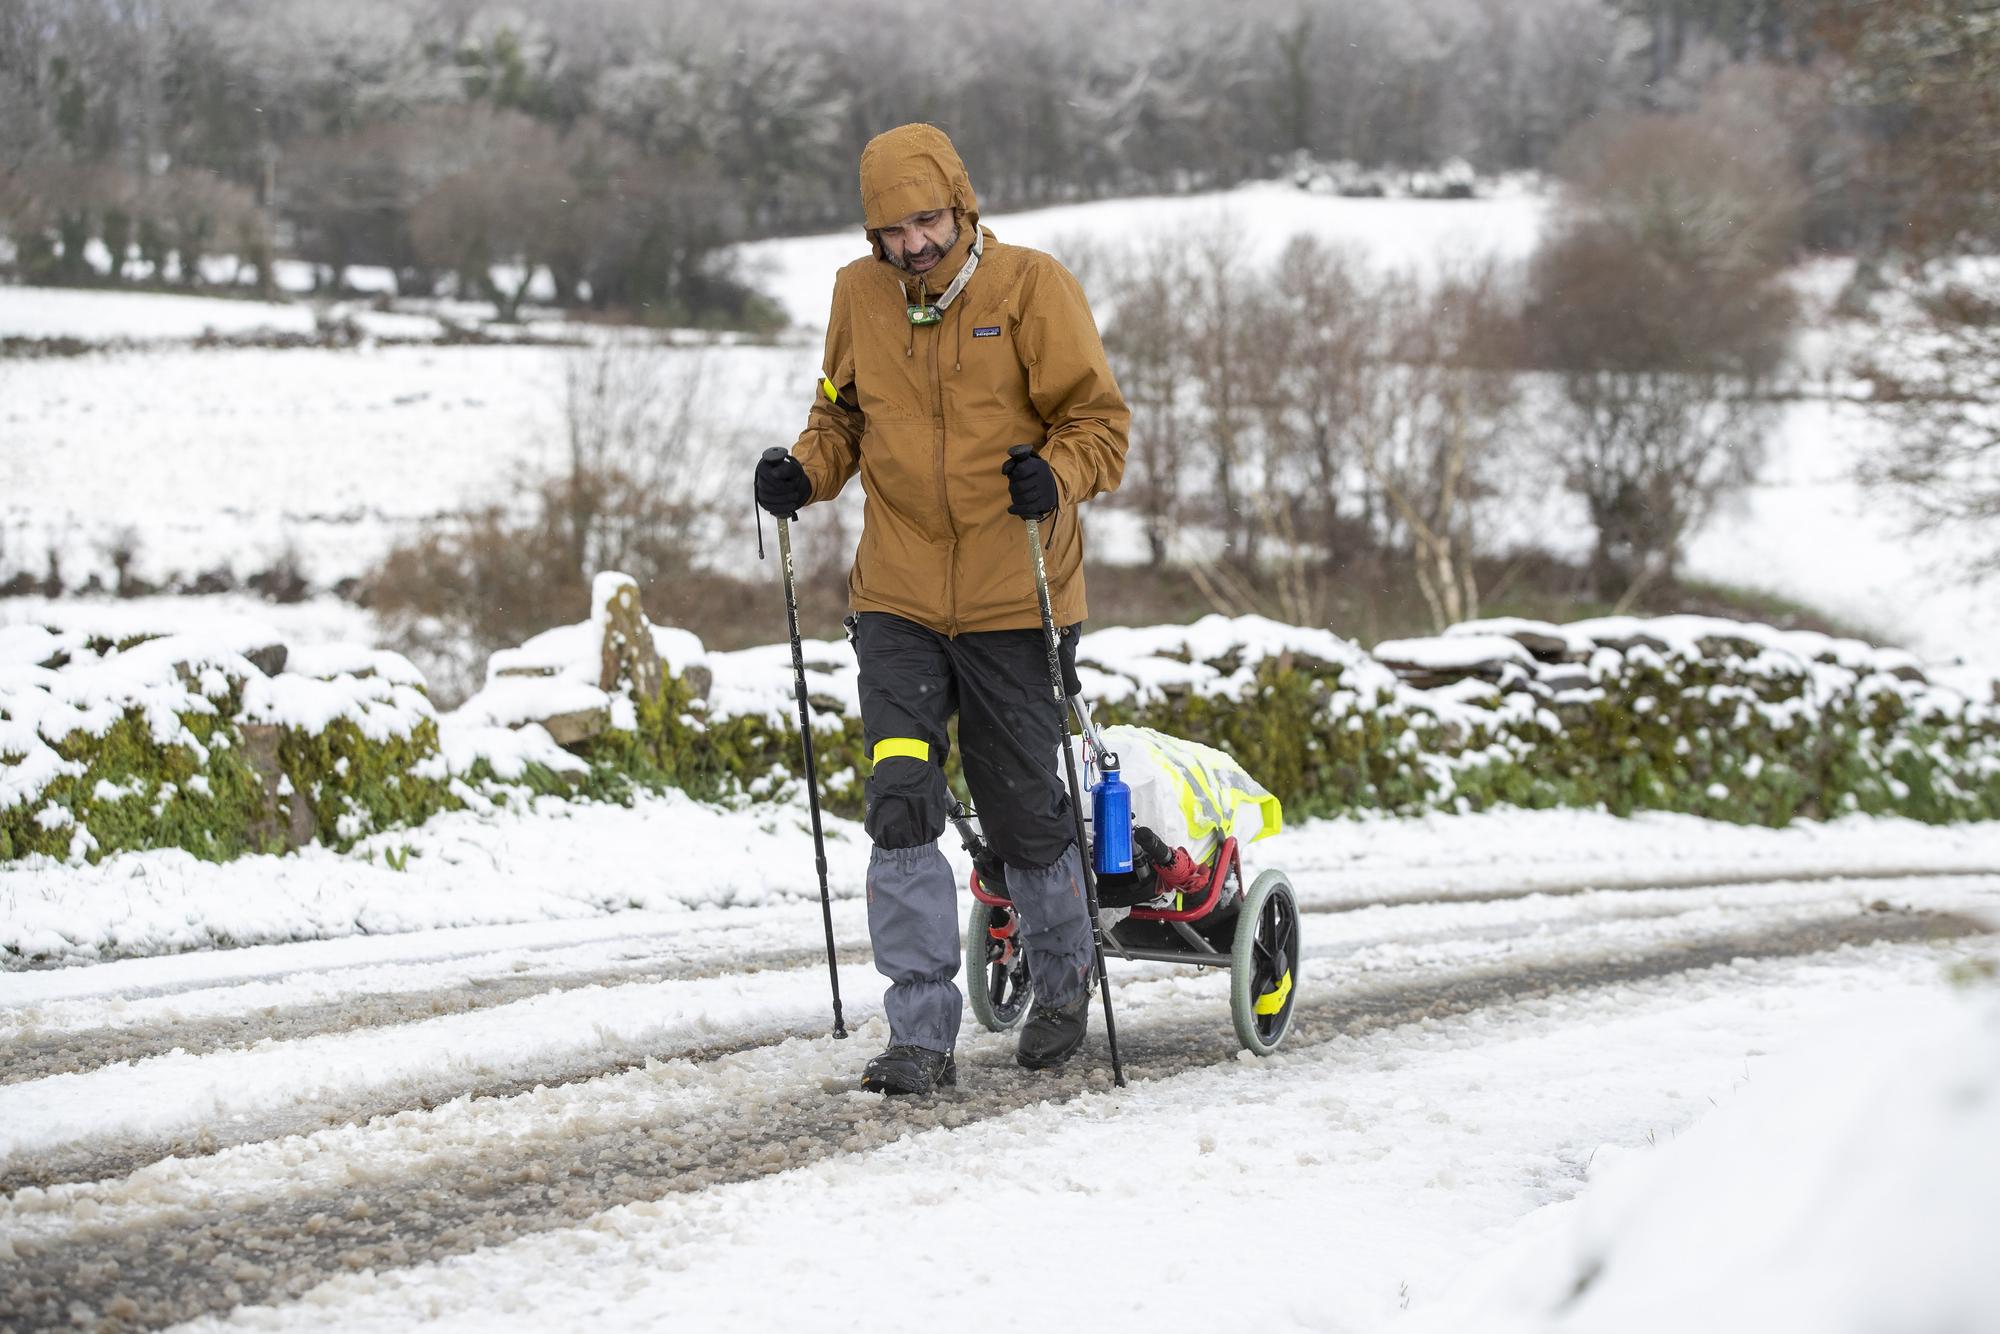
(613, 145)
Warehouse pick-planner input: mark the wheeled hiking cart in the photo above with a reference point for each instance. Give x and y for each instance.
(1170, 908)
(1162, 904)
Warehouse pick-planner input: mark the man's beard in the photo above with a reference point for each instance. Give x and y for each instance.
(940, 250)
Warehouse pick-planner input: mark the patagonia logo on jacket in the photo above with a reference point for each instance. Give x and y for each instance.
(986, 331)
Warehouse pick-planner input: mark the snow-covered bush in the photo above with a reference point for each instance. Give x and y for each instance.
(1717, 718)
(222, 743)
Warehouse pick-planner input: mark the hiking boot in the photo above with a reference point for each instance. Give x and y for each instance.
(1053, 1032)
(906, 1069)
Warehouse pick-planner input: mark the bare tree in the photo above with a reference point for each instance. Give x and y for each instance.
(198, 213)
(1221, 318)
(632, 487)
(1348, 417)
(1928, 72)
(31, 203)
(502, 216)
(347, 199)
(1320, 334)
(1434, 413)
(1938, 379)
(1656, 301)
(25, 131)
(1150, 343)
(624, 488)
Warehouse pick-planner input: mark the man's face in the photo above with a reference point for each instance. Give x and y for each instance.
(918, 243)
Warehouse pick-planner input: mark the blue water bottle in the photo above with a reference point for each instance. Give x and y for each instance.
(1111, 817)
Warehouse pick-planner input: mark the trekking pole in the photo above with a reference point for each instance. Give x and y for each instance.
(806, 738)
(1062, 700)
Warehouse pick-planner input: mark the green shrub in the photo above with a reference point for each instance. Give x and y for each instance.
(1733, 734)
(1694, 735)
(135, 792)
(357, 786)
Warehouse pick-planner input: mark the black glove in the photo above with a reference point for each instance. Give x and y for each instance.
(782, 486)
(1033, 485)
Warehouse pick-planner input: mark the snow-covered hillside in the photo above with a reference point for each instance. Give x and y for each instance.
(1256, 219)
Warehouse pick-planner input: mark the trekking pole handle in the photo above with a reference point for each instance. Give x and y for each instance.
(1015, 453)
(778, 454)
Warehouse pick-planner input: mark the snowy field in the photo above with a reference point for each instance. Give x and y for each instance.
(197, 460)
(1676, 1068)
(233, 459)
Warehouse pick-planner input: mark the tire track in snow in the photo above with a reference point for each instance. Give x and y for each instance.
(185, 1262)
(97, 1159)
(111, 1153)
(1622, 884)
(77, 1051)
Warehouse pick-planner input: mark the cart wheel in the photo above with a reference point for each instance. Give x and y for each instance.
(1264, 964)
(996, 971)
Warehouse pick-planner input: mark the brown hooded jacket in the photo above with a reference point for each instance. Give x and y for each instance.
(926, 413)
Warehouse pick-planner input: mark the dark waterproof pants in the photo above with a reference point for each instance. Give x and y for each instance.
(1010, 731)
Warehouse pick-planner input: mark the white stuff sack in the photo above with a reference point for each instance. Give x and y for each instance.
(1193, 796)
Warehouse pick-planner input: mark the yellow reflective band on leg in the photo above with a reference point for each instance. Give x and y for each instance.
(1273, 1001)
(888, 748)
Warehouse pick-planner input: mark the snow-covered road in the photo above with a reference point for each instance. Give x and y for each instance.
(640, 1120)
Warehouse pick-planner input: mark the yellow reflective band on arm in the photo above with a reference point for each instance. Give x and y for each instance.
(826, 387)
(1274, 1001)
(888, 748)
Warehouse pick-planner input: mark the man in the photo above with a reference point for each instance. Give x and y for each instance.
(943, 349)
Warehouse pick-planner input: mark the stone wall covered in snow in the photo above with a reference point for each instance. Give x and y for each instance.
(219, 740)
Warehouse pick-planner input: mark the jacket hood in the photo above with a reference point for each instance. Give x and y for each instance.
(910, 169)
